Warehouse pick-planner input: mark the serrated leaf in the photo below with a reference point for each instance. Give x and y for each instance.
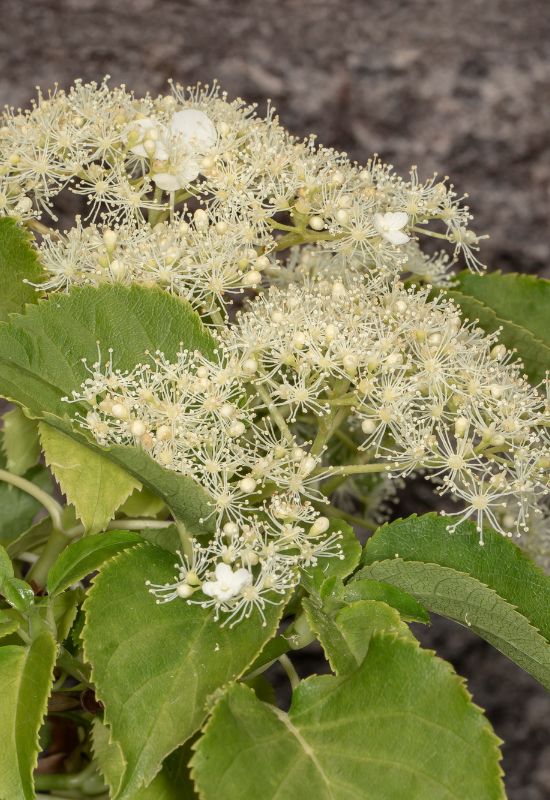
(314, 577)
(6, 567)
(17, 593)
(171, 783)
(142, 503)
(20, 442)
(499, 564)
(408, 607)
(94, 485)
(87, 555)
(17, 508)
(355, 736)
(25, 677)
(18, 262)
(9, 622)
(31, 539)
(345, 636)
(155, 666)
(460, 597)
(517, 304)
(41, 356)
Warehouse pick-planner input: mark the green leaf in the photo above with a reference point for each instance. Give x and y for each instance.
(31, 539)
(17, 593)
(41, 356)
(408, 607)
(314, 577)
(460, 597)
(517, 304)
(499, 564)
(6, 567)
(346, 635)
(18, 262)
(142, 503)
(171, 783)
(20, 442)
(94, 485)
(155, 665)
(400, 726)
(9, 622)
(86, 556)
(17, 508)
(25, 677)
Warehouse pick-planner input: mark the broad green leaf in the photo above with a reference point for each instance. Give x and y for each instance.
(17, 508)
(460, 597)
(155, 665)
(400, 726)
(499, 564)
(408, 607)
(17, 593)
(6, 567)
(9, 622)
(519, 305)
(345, 636)
(18, 262)
(171, 783)
(313, 577)
(86, 556)
(31, 539)
(20, 442)
(167, 538)
(142, 503)
(41, 356)
(94, 485)
(25, 677)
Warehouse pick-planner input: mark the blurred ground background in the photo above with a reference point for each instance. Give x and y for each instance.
(457, 86)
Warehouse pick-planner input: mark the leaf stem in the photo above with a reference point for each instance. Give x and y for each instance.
(52, 506)
(57, 542)
(290, 670)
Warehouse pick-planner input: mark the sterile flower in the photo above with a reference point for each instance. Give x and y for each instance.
(228, 584)
(389, 226)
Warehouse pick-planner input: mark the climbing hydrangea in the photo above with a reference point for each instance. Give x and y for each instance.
(340, 368)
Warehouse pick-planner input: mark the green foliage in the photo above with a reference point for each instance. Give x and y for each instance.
(355, 735)
(495, 590)
(25, 677)
(314, 577)
(86, 556)
(17, 508)
(41, 356)
(171, 783)
(155, 666)
(408, 607)
(142, 503)
(18, 263)
(20, 441)
(346, 635)
(516, 304)
(94, 485)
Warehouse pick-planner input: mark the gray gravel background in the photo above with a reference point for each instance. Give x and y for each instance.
(457, 86)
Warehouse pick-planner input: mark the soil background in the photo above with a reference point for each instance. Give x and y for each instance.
(461, 87)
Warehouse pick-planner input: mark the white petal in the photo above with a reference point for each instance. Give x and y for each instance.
(379, 222)
(394, 220)
(396, 237)
(224, 572)
(167, 181)
(243, 577)
(195, 128)
(210, 588)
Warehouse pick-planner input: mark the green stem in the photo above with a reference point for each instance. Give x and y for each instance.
(288, 667)
(186, 539)
(337, 513)
(56, 543)
(74, 667)
(427, 232)
(274, 413)
(52, 506)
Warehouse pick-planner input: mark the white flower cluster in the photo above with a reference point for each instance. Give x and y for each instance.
(198, 418)
(336, 362)
(402, 375)
(227, 189)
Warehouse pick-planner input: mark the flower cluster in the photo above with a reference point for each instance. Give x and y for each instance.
(226, 188)
(331, 373)
(196, 417)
